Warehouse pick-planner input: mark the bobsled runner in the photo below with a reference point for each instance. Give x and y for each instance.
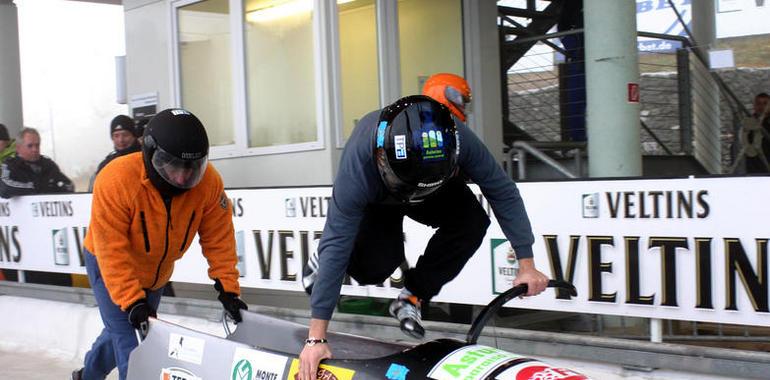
(267, 348)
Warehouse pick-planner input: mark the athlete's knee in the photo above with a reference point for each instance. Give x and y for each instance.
(477, 223)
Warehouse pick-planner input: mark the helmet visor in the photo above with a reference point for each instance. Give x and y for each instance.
(403, 191)
(462, 102)
(184, 174)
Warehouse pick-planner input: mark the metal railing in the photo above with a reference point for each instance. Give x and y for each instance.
(519, 151)
(679, 93)
(678, 96)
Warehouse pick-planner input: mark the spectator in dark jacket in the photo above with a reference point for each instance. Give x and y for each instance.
(124, 139)
(29, 172)
(756, 158)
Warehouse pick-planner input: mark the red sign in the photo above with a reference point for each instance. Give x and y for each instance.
(633, 92)
(545, 373)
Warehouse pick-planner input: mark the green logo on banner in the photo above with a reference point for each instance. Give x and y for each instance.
(242, 370)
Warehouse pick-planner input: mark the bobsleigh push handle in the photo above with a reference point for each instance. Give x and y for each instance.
(490, 310)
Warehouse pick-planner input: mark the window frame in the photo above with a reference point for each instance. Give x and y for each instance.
(240, 98)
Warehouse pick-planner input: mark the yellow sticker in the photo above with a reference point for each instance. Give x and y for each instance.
(325, 372)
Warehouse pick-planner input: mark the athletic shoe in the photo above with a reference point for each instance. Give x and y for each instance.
(406, 308)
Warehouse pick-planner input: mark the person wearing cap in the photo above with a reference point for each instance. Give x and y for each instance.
(131, 246)
(409, 159)
(29, 172)
(124, 139)
(7, 146)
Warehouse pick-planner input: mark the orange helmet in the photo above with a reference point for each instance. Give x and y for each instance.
(450, 90)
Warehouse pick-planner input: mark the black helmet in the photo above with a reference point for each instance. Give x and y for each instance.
(416, 146)
(175, 151)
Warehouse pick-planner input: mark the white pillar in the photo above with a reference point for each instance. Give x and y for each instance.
(387, 48)
(482, 71)
(656, 330)
(612, 63)
(706, 122)
(10, 69)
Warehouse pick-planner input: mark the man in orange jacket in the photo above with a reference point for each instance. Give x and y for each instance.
(146, 209)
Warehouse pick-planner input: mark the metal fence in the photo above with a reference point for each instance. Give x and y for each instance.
(681, 99)
(686, 109)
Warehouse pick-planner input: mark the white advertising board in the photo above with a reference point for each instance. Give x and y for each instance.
(687, 249)
(734, 18)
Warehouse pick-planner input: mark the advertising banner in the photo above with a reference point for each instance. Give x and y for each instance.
(734, 18)
(688, 249)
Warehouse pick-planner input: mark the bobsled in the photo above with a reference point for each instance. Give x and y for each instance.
(267, 348)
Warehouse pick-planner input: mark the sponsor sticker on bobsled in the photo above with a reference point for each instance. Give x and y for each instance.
(174, 373)
(396, 372)
(186, 348)
(470, 362)
(252, 364)
(537, 370)
(325, 372)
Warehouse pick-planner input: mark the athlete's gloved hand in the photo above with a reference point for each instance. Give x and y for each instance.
(230, 302)
(139, 312)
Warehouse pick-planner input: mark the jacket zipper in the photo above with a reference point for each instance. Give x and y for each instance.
(167, 203)
(144, 232)
(187, 232)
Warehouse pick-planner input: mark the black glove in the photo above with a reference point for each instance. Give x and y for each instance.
(230, 301)
(139, 312)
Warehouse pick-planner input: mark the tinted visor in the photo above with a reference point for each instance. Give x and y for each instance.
(460, 101)
(183, 174)
(404, 191)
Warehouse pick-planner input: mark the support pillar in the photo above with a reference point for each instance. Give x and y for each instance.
(482, 71)
(612, 63)
(10, 69)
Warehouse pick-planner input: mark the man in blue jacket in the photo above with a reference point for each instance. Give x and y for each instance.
(409, 159)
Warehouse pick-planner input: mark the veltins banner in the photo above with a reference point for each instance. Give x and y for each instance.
(688, 249)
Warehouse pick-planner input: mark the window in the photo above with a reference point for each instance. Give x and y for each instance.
(205, 76)
(430, 41)
(280, 74)
(254, 72)
(358, 61)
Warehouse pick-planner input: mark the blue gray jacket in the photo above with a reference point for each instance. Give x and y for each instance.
(358, 184)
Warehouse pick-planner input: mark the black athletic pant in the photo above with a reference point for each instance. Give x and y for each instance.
(379, 248)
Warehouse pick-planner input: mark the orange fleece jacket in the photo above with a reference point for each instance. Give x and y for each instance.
(136, 242)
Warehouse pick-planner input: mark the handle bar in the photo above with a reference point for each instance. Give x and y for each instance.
(490, 310)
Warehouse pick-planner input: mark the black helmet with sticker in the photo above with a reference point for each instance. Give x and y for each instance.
(175, 150)
(416, 147)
